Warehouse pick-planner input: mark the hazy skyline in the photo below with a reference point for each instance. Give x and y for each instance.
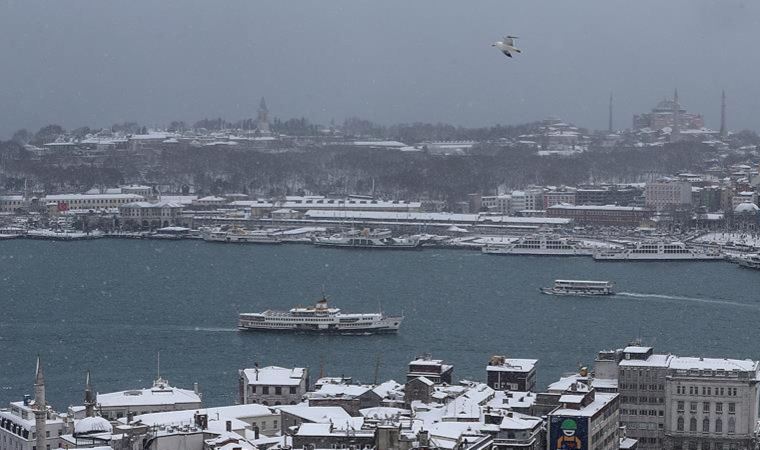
(94, 63)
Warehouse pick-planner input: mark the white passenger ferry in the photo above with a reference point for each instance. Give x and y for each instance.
(319, 318)
(379, 239)
(658, 251)
(236, 235)
(749, 261)
(541, 245)
(580, 288)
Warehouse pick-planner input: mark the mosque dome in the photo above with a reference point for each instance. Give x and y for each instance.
(92, 425)
(746, 208)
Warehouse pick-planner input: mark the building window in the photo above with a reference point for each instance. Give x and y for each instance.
(706, 407)
(731, 424)
(693, 407)
(680, 405)
(679, 426)
(292, 389)
(719, 408)
(278, 390)
(718, 425)
(265, 389)
(732, 408)
(705, 425)
(693, 424)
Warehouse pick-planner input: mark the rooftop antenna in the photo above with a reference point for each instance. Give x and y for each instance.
(158, 365)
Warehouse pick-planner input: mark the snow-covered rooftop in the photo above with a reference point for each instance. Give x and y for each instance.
(274, 375)
(160, 394)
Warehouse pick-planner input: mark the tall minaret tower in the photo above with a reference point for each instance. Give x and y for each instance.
(89, 399)
(609, 123)
(723, 130)
(675, 134)
(40, 407)
(262, 122)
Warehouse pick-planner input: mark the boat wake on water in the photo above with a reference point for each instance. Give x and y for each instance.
(686, 299)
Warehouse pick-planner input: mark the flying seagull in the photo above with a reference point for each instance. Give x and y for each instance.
(507, 45)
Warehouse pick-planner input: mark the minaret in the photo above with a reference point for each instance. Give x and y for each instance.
(723, 130)
(40, 407)
(262, 122)
(89, 400)
(609, 124)
(675, 133)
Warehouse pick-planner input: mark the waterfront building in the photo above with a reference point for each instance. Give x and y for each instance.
(272, 385)
(59, 203)
(663, 195)
(158, 398)
(264, 207)
(12, 203)
(31, 424)
(163, 213)
(511, 374)
(585, 419)
(600, 215)
(435, 370)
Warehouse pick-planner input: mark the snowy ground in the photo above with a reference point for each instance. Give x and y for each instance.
(749, 239)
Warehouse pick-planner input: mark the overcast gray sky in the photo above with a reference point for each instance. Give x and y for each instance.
(96, 62)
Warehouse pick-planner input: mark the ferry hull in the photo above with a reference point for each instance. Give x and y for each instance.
(567, 293)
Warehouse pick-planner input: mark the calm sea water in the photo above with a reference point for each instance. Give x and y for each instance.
(111, 306)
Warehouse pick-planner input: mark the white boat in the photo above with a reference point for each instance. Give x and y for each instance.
(658, 251)
(580, 288)
(236, 235)
(319, 318)
(540, 245)
(749, 261)
(368, 239)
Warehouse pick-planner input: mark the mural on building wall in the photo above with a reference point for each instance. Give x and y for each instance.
(568, 433)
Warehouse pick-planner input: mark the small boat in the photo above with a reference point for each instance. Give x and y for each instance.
(580, 288)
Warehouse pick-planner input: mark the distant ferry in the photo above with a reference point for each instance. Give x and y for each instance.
(658, 251)
(580, 288)
(541, 245)
(368, 239)
(319, 318)
(749, 261)
(236, 235)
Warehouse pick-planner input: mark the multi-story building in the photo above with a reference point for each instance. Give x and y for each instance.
(160, 214)
(600, 215)
(501, 204)
(511, 374)
(528, 200)
(607, 195)
(711, 404)
(435, 370)
(663, 195)
(641, 384)
(31, 424)
(559, 196)
(585, 419)
(12, 203)
(65, 202)
(160, 397)
(350, 397)
(273, 385)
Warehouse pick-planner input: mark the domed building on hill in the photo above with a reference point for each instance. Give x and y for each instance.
(663, 115)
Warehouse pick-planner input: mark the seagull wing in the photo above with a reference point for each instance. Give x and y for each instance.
(509, 40)
(506, 52)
